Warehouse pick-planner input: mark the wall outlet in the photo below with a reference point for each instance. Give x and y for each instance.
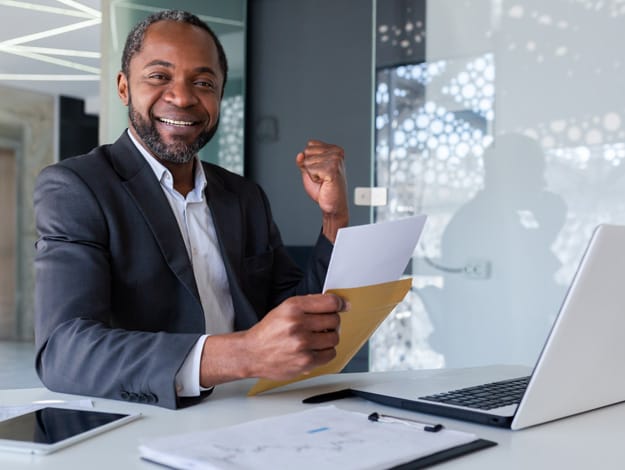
(370, 196)
(477, 269)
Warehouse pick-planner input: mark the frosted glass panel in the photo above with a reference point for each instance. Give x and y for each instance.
(503, 121)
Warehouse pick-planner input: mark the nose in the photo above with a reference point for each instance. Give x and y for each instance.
(181, 94)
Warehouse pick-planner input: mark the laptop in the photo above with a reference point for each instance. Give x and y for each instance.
(579, 368)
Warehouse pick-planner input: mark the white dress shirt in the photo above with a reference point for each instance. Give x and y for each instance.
(198, 232)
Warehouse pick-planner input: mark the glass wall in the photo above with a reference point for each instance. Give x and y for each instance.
(227, 19)
(504, 122)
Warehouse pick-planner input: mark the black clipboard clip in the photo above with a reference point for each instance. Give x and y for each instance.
(429, 427)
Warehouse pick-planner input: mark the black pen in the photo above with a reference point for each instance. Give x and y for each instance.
(430, 427)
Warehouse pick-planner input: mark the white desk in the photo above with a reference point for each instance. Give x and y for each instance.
(594, 439)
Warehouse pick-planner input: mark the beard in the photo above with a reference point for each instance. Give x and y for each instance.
(177, 152)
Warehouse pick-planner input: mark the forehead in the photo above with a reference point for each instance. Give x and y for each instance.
(177, 42)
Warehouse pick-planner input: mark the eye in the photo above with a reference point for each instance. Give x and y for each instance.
(205, 84)
(157, 77)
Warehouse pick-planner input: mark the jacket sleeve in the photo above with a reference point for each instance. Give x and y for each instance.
(79, 348)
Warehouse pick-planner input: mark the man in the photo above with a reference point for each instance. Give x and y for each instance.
(158, 276)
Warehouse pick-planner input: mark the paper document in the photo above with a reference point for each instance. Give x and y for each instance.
(369, 307)
(364, 255)
(366, 263)
(319, 438)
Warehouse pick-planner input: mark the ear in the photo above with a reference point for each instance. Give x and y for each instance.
(122, 88)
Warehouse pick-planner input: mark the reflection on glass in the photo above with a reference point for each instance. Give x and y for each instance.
(498, 246)
(428, 151)
(511, 138)
(230, 135)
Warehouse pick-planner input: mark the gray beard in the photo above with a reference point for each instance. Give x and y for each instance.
(178, 152)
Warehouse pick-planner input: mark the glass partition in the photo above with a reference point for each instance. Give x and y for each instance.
(503, 121)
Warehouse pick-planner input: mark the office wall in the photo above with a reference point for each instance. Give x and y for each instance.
(309, 76)
(27, 125)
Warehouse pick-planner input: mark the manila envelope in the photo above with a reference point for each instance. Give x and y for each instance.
(370, 305)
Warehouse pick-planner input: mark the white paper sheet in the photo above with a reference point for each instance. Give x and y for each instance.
(370, 254)
(323, 437)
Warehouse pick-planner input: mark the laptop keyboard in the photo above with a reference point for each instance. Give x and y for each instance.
(486, 396)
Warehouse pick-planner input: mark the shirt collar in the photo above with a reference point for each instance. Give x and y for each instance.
(163, 175)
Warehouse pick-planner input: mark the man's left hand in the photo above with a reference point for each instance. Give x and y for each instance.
(323, 174)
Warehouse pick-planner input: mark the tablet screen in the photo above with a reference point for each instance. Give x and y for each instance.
(53, 425)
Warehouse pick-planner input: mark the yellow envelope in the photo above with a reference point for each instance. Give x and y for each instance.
(370, 305)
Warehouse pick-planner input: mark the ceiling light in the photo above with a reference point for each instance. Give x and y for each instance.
(52, 60)
(81, 12)
(46, 77)
(80, 6)
(49, 50)
(52, 32)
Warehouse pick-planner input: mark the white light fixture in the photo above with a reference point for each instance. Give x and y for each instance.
(19, 45)
(47, 77)
(84, 12)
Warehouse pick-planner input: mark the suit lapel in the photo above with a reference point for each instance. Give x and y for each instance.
(226, 209)
(139, 180)
(226, 212)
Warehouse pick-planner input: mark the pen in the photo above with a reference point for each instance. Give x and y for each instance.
(430, 427)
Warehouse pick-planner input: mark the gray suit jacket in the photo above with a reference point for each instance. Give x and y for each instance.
(117, 308)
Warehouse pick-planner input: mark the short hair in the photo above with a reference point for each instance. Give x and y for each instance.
(134, 41)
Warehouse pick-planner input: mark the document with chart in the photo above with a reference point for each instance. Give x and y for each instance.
(319, 438)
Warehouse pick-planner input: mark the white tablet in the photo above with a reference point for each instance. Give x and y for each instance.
(50, 429)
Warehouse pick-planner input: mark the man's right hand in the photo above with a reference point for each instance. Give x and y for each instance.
(294, 338)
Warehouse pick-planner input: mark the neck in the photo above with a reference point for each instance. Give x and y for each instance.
(183, 174)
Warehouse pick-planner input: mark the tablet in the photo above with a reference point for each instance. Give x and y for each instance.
(49, 429)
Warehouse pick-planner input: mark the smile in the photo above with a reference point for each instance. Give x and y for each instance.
(173, 122)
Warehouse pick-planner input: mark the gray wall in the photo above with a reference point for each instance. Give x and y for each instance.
(310, 68)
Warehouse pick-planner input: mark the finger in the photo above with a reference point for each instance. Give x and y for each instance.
(324, 151)
(318, 322)
(321, 303)
(324, 340)
(342, 304)
(316, 146)
(319, 144)
(322, 162)
(330, 164)
(322, 356)
(306, 167)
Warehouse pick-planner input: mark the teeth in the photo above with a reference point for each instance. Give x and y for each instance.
(175, 123)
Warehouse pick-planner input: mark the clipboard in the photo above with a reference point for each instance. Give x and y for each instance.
(321, 437)
(370, 305)
(445, 455)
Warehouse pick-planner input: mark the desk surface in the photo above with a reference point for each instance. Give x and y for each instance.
(582, 441)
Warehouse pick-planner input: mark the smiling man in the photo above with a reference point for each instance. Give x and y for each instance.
(159, 276)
